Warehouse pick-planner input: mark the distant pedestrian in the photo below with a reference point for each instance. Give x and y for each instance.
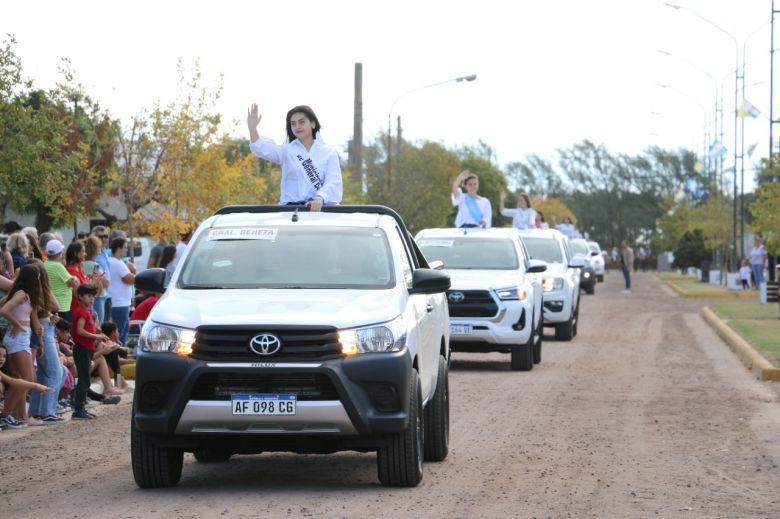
(473, 210)
(758, 257)
(523, 217)
(744, 274)
(626, 261)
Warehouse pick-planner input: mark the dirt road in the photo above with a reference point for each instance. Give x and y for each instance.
(646, 413)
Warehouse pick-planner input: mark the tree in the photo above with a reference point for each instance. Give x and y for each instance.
(55, 148)
(766, 206)
(421, 180)
(691, 251)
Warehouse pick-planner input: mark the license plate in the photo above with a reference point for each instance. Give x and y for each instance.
(264, 404)
(460, 329)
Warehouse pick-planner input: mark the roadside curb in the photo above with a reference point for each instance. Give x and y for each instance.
(708, 295)
(754, 361)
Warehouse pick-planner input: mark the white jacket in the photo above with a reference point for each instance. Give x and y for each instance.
(297, 184)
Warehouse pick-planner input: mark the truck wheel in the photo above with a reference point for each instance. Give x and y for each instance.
(400, 459)
(565, 331)
(538, 341)
(591, 289)
(523, 355)
(154, 466)
(436, 424)
(576, 322)
(212, 455)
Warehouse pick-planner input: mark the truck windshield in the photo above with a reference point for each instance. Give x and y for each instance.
(289, 257)
(545, 249)
(470, 253)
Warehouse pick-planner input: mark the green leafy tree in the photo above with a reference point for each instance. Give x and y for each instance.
(765, 207)
(692, 250)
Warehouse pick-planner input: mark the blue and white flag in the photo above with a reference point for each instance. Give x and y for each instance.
(717, 149)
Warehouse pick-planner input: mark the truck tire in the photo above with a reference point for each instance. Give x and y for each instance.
(436, 424)
(538, 342)
(565, 331)
(154, 466)
(523, 355)
(400, 459)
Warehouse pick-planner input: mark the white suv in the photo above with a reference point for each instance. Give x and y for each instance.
(597, 260)
(495, 302)
(561, 281)
(285, 330)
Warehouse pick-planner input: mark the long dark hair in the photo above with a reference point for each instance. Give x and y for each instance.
(46, 293)
(167, 255)
(309, 113)
(28, 280)
(72, 253)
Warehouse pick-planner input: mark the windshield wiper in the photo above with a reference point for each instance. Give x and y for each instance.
(204, 287)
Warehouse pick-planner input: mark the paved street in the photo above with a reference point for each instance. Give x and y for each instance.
(647, 413)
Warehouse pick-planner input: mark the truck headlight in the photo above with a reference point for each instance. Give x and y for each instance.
(390, 336)
(552, 284)
(162, 338)
(511, 293)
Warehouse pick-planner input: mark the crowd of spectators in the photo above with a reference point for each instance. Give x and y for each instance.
(64, 317)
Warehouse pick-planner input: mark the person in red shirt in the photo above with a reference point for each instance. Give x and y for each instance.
(142, 311)
(85, 337)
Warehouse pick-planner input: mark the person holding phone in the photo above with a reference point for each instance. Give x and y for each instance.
(96, 275)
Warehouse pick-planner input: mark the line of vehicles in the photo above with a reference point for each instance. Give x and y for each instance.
(285, 330)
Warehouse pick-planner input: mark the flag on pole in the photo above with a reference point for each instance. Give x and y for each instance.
(751, 149)
(747, 110)
(717, 149)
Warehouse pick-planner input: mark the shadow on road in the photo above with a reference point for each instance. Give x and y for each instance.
(277, 471)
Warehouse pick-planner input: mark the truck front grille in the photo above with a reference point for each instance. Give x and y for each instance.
(221, 386)
(231, 343)
(475, 303)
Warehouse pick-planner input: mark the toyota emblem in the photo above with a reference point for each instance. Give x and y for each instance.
(456, 297)
(265, 344)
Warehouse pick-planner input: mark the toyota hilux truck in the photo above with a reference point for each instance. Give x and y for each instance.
(288, 330)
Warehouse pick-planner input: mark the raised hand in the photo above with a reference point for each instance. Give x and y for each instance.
(253, 116)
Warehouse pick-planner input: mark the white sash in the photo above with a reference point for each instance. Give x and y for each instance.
(310, 171)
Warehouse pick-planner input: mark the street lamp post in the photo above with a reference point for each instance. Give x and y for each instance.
(736, 119)
(471, 77)
(742, 152)
(715, 129)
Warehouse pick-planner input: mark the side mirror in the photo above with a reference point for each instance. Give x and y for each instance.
(429, 281)
(577, 262)
(151, 280)
(536, 266)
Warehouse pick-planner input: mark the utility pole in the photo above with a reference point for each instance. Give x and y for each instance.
(356, 153)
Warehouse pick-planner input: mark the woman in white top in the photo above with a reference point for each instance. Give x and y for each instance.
(758, 256)
(311, 173)
(473, 210)
(523, 217)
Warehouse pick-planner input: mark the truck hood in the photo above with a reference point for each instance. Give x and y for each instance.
(339, 308)
(462, 279)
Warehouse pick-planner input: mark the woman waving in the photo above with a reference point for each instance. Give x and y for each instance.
(311, 174)
(473, 210)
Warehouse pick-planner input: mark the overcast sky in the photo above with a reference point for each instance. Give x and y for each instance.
(549, 73)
